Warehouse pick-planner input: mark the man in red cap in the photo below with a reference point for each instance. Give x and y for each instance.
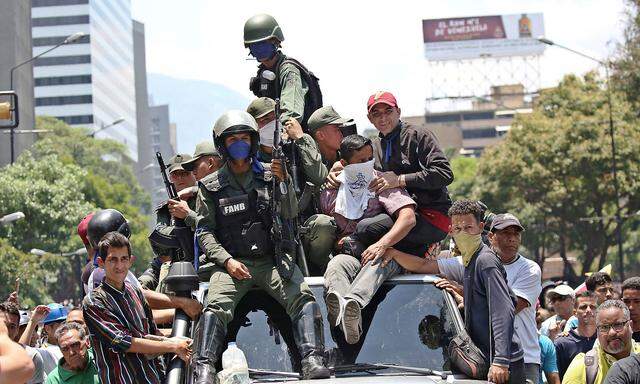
(410, 157)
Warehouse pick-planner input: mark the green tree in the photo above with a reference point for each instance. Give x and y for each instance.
(626, 64)
(464, 170)
(46, 190)
(109, 182)
(34, 273)
(64, 176)
(554, 170)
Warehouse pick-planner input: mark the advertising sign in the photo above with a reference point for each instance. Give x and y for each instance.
(483, 36)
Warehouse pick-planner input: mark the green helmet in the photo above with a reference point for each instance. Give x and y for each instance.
(231, 122)
(260, 28)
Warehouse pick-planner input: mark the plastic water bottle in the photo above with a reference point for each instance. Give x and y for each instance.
(234, 366)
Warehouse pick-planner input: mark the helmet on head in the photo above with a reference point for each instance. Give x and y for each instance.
(105, 221)
(232, 122)
(57, 312)
(261, 28)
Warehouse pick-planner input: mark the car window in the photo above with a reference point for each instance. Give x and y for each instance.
(407, 324)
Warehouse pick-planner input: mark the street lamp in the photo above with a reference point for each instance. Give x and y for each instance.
(614, 165)
(149, 166)
(68, 40)
(77, 255)
(103, 127)
(6, 219)
(77, 252)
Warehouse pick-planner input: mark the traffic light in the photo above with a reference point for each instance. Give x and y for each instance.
(9, 116)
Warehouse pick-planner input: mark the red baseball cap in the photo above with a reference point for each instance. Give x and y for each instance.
(381, 97)
(82, 228)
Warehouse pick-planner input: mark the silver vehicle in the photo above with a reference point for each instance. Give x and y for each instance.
(406, 332)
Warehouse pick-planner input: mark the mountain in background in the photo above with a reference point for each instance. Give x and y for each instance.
(194, 105)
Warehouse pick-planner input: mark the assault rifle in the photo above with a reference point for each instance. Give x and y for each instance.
(285, 237)
(181, 236)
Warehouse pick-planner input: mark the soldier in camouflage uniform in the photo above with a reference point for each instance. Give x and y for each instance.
(294, 85)
(234, 209)
(318, 231)
(165, 230)
(205, 161)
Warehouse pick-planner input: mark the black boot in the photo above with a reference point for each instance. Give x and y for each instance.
(309, 335)
(209, 337)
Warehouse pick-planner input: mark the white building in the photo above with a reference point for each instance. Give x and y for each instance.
(90, 82)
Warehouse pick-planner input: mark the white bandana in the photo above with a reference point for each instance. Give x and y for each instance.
(266, 133)
(353, 196)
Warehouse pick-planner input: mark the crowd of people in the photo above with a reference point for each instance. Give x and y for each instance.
(256, 212)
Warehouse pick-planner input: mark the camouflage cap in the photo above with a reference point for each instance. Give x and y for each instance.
(324, 116)
(175, 163)
(205, 148)
(261, 107)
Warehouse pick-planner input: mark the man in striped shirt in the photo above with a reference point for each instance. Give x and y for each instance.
(123, 333)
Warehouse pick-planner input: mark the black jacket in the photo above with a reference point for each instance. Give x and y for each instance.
(489, 300)
(416, 153)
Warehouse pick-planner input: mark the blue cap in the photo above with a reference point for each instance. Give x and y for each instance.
(58, 312)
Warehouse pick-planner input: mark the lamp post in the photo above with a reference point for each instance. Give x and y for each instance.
(10, 218)
(77, 255)
(614, 163)
(68, 40)
(103, 127)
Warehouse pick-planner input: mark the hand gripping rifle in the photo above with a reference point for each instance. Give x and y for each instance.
(288, 246)
(181, 236)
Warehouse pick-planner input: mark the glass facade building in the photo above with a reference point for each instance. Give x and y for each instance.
(91, 81)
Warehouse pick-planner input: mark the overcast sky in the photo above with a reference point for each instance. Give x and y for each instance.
(355, 47)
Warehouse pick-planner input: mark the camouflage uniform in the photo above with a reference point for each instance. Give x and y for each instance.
(234, 221)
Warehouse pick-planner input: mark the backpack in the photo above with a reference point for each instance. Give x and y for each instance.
(313, 98)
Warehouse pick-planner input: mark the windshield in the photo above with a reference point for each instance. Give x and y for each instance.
(406, 324)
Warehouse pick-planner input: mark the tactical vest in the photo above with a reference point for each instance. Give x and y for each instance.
(243, 220)
(313, 97)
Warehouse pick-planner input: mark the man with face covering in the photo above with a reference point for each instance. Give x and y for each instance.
(489, 302)
(351, 281)
(293, 84)
(235, 210)
(318, 232)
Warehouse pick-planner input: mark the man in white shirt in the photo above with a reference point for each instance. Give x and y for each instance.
(524, 279)
(562, 298)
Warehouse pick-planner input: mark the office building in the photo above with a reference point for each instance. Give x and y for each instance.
(161, 137)
(15, 48)
(484, 124)
(89, 82)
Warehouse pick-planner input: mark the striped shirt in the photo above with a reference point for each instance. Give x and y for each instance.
(114, 318)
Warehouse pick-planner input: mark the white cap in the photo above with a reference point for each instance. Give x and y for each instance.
(562, 290)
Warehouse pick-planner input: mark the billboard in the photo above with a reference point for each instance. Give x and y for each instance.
(483, 36)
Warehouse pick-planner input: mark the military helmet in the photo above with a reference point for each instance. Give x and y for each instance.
(260, 28)
(105, 221)
(235, 121)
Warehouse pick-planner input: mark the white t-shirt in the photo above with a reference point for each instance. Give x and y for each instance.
(39, 375)
(525, 280)
(571, 323)
(452, 268)
(51, 355)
